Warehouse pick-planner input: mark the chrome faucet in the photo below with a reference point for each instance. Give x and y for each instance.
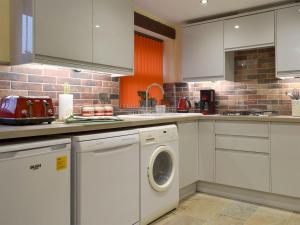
(149, 88)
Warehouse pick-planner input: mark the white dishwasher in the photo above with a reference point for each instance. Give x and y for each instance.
(35, 182)
(106, 178)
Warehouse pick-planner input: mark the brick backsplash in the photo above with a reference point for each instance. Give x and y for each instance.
(255, 86)
(40, 80)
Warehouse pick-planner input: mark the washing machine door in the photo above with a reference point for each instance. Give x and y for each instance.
(161, 169)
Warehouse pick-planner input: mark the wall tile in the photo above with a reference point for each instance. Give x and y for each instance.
(13, 76)
(41, 79)
(26, 86)
(4, 85)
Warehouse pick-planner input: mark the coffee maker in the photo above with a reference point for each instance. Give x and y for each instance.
(207, 102)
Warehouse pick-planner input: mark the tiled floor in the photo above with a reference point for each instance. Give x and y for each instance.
(202, 209)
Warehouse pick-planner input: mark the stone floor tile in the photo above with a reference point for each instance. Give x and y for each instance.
(239, 210)
(224, 220)
(294, 219)
(269, 216)
(184, 220)
(205, 207)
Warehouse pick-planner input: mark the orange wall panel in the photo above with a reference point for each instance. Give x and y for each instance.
(148, 69)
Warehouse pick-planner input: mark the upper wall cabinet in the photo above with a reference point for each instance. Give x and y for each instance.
(113, 33)
(4, 31)
(203, 52)
(85, 34)
(249, 31)
(287, 41)
(63, 29)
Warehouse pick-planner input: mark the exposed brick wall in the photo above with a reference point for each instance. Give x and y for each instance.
(255, 85)
(37, 80)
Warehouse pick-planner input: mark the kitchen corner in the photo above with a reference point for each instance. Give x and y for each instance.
(189, 115)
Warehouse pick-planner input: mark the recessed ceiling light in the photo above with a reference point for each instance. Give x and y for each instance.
(236, 26)
(204, 2)
(298, 10)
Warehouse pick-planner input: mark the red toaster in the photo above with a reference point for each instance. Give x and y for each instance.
(19, 110)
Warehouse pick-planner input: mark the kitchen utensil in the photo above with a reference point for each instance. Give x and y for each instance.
(294, 94)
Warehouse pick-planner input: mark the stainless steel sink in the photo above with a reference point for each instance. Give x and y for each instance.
(156, 115)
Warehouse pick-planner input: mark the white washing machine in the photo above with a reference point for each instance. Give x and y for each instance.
(159, 171)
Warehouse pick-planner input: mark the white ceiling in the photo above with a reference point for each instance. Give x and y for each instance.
(179, 11)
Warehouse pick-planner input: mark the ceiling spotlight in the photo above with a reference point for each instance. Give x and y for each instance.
(204, 2)
(236, 26)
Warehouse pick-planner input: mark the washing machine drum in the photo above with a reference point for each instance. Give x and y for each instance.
(161, 169)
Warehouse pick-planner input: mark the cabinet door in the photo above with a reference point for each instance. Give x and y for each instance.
(188, 153)
(287, 42)
(206, 151)
(4, 31)
(249, 31)
(113, 33)
(63, 29)
(243, 169)
(203, 52)
(285, 158)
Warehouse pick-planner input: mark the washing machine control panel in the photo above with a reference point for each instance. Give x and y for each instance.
(154, 136)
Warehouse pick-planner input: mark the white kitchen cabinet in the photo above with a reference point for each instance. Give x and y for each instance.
(243, 154)
(203, 52)
(63, 29)
(113, 33)
(240, 143)
(206, 151)
(249, 31)
(287, 41)
(85, 34)
(242, 128)
(188, 153)
(243, 169)
(285, 159)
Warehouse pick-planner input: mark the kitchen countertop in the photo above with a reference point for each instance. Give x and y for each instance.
(12, 132)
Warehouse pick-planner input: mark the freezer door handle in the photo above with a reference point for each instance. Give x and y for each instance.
(34, 152)
(59, 147)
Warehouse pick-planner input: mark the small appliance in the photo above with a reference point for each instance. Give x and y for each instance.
(207, 102)
(19, 110)
(183, 105)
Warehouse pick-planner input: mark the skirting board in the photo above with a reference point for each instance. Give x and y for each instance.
(187, 191)
(262, 198)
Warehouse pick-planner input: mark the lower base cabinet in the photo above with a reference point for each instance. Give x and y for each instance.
(252, 155)
(285, 159)
(206, 150)
(243, 169)
(188, 153)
